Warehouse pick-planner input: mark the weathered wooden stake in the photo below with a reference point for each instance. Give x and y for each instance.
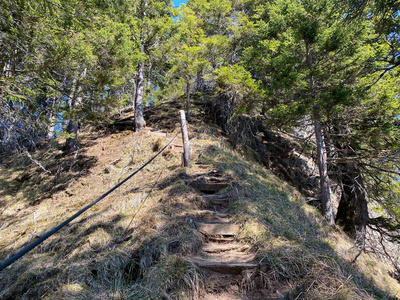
(185, 138)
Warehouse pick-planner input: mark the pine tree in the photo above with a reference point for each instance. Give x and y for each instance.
(188, 59)
(307, 57)
(155, 23)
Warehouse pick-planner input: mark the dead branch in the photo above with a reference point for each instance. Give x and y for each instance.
(35, 161)
(74, 159)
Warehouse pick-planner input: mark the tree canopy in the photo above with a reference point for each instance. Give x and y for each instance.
(331, 64)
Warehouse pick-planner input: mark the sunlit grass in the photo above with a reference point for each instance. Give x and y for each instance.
(129, 249)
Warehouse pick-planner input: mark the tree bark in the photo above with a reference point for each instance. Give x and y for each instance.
(52, 119)
(325, 187)
(50, 128)
(8, 69)
(185, 139)
(139, 120)
(353, 207)
(135, 91)
(199, 82)
(188, 118)
(323, 175)
(71, 143)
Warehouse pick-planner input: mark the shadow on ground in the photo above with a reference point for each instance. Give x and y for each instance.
(100, 259)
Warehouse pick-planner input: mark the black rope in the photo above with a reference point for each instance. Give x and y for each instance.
(31, 246)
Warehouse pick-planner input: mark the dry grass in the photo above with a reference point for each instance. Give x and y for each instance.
(294, 241)
(173, 277)
(116, 251)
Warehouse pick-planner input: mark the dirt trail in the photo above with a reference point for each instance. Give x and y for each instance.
(230, 268)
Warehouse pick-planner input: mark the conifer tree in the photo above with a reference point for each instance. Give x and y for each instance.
(188, 59)
(316, 62)
(154, 22)
(307, 57)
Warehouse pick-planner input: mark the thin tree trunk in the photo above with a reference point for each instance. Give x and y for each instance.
(148, 80)
(52, 119)
(135, 92)
(71, 143)
(325, 187)
(199, 82)
(51, 127)
(139, 120)
(8, 69)
(323, 175)
(72, 129)
(188, 117)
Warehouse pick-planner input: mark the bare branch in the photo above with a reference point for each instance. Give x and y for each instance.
(380, 169)
(35, 161)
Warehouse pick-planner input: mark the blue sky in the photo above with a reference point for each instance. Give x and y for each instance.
(178, 2)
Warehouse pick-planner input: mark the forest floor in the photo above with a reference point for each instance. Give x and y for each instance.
(140, 242)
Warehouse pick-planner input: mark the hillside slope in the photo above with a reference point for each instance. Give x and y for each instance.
(138, 242)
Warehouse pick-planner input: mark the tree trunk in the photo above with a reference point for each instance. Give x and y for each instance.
(323, 175)
(353, 207)
(188, 117)
(50, 128)
(72, 144)
(52, 119)
(135, 91)
(8, 69)
(148, 80)
(72, 128)
(200, 82)
(325, 187)
(139, 120)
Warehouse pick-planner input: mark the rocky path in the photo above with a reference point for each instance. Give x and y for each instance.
(229, 265)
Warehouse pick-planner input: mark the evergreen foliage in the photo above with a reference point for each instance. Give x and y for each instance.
(333, 63)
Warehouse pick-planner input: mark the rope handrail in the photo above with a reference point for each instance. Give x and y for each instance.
(31, 246)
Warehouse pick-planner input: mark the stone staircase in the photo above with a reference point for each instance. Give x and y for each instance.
(229, 265)
(223, 258)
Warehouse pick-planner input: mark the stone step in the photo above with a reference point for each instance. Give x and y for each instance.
(217, 199)
(219, 248)
(221, 239)
(227, 267)
(229, 262)
(213, 172)
(209, 218)
(212, 213)
(212, 179)
(224, 229)
(209, 187)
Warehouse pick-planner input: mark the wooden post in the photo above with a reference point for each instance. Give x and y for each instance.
(185, 138)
